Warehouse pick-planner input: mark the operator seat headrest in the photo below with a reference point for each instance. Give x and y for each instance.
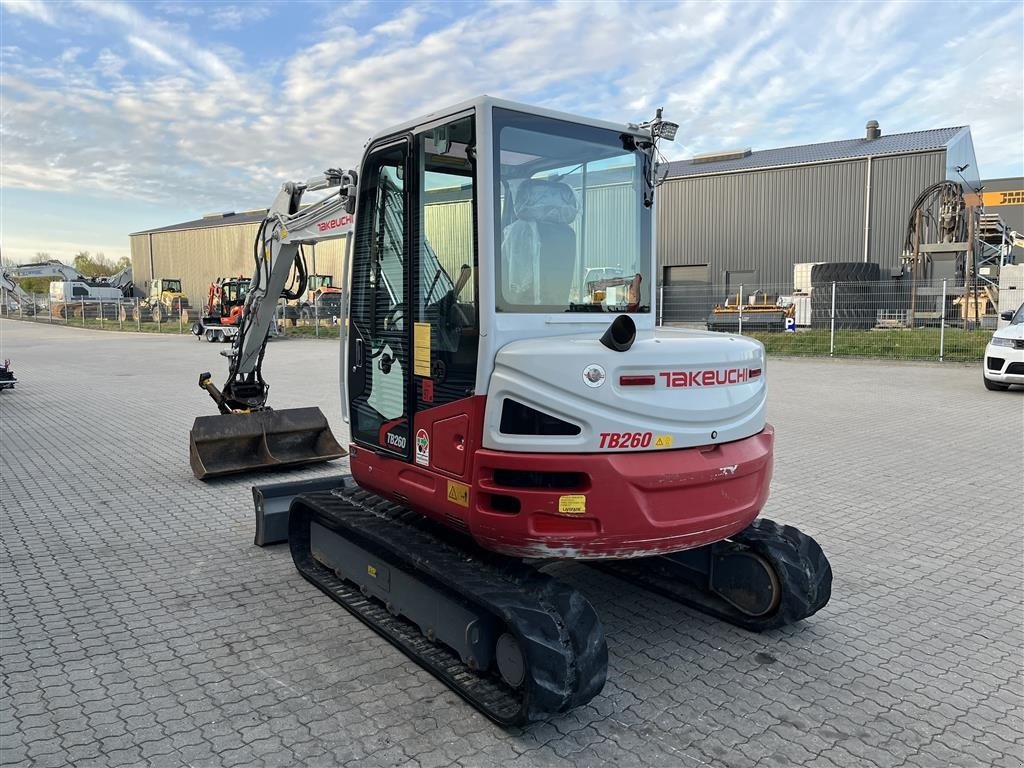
(544, 200)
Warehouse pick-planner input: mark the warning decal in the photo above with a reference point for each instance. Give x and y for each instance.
(423, 448)
(458, 493)
(421, 349)
(572, 505)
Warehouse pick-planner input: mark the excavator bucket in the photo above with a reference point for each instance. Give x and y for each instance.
(260, 441)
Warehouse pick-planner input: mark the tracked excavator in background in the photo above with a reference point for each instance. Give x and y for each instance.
(517, 413)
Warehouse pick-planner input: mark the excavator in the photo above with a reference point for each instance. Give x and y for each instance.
(507, 410)
(223, 311)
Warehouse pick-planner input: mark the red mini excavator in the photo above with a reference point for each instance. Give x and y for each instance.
(506, 408)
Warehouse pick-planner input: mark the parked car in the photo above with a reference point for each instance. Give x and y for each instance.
(1004, 355)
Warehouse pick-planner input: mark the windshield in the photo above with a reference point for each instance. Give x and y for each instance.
(236, 291)
(572, 232)
(320, 281)
(1018, 316)
(172, 285)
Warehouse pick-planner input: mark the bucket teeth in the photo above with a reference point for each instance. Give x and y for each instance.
(260, 441)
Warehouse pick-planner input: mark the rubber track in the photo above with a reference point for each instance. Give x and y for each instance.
(804, 573)
(560, 635)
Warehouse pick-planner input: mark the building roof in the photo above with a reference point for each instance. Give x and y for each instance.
(829, 151)
(212, 220)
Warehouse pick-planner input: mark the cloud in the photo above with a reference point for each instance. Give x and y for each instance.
(153, 52)
(36, 9)
(209, 127)
(234, 17)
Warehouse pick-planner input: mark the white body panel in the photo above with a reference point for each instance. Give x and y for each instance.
(64, 292)
(548, 375)
(538, 359)
(1009, 355)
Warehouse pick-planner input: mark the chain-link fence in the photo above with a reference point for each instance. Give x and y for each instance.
(135, 314)
(897, 319)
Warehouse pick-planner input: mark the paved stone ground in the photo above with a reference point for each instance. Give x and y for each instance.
(140, 625)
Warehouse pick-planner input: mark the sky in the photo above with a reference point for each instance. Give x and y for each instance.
(117, 117)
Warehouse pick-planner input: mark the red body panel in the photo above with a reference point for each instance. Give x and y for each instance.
(613, 504)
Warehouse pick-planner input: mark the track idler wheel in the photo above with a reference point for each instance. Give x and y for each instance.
(773, 575)
(764, 577)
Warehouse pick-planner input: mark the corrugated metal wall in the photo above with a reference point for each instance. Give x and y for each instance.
(895, 182)
(766, 221)
(611, 226)
(760, 221)
(448, 229)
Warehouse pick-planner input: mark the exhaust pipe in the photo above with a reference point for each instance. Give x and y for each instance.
(620, 334)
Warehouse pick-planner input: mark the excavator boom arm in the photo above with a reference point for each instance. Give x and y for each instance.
(278, 247)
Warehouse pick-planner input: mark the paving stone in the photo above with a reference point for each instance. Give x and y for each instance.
(138, 624)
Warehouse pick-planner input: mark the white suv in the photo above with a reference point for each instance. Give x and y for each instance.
(1004, 355)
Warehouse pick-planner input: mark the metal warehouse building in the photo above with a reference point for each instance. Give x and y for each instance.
(745, 218)
(725, 219)
(218, 245)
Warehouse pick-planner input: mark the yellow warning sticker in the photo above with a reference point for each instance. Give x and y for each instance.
(371, 570)
(458, 493)
(421, 349)
(663, 441)
(572, 505)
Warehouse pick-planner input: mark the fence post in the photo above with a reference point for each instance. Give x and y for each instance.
(942, 325)
(83, 311)
(832, 324)
(740, 309)
(101, 313)
(138, 315)
(661, 304)
(21, 309)
(179, 316)
(120, 311)
(316, 317)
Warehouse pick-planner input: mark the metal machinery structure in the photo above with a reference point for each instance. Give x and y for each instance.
(321, 300)
(223, 312)
(950, 236)
(74, 292)
(518, 412)
(7, 380)
(164, 299)
(15, 297)
(761, 312)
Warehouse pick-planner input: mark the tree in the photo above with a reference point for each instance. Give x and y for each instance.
(98, 265)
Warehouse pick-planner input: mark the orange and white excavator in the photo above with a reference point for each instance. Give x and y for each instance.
(506, 408)
(223, 314)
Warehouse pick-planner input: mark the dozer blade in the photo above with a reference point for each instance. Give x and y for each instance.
(260, 441)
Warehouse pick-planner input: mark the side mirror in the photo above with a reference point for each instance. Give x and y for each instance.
(1007, 315)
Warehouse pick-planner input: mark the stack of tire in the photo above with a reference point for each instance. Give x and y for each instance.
(857, 287)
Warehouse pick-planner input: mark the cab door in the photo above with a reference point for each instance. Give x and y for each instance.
(379, 331)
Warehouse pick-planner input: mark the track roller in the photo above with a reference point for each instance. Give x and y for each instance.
(765, 577)
(517, 644)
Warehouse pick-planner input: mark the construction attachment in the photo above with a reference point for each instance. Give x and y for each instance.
(272, 501)
(260, 440)
(517, 644)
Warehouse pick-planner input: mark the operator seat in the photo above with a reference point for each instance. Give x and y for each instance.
(538, 249)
